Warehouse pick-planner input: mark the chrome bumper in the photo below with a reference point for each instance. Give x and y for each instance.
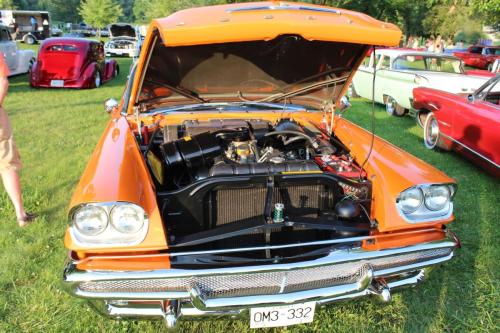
(145, 294)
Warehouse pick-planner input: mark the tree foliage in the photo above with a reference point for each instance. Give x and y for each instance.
(487, 10)
(422, 17)
(7, 4)
(99, 13)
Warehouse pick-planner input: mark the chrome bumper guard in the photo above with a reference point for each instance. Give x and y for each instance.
(180, 293)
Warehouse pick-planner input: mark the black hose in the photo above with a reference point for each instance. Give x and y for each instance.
(308, 138)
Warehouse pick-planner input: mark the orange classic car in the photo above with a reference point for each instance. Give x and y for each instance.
(228, 183)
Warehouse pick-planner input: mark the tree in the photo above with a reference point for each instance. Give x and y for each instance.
(487, 10)
(99, 13)
(62, 10)
(7, 4)
(146, 10)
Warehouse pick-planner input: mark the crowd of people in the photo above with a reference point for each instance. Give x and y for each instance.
(431, 44)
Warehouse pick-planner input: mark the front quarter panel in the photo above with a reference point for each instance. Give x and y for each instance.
(117, 172)
(391, 171)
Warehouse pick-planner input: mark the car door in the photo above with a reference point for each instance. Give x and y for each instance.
(382, 76)
(474, 56)
(8, 48)
(477, 124)
(363, 79)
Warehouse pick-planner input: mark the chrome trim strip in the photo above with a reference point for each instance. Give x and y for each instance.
(284, 6)
(286, 246)
(73, 275)
(471, 150)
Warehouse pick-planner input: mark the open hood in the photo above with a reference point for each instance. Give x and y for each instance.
(287, 67)
(267, 52)
(122, 30)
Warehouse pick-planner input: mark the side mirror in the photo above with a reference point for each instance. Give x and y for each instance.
(110, 104)
(470, 98)
(344, 103)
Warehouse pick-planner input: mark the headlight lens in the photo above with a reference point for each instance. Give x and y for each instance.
(90, 220)
(437, 197)
(127, 219)
(410, 200)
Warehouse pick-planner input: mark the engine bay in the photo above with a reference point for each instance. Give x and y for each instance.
(222, 182)
(196, 150)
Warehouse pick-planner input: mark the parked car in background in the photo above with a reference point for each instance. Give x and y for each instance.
(81, 28)
(18, 61)
(105, 32)
(56, 31)
(480, 56)
(398, 71)
(21, 25)
(124, 40)
(226, 185)
(72, 63)
(468, 124)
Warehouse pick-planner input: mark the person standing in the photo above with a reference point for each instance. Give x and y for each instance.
(10, 162)
(34, 24)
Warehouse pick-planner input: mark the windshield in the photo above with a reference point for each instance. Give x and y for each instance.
(429, 63)
(492, 51)
(60, 48)
(249, 71)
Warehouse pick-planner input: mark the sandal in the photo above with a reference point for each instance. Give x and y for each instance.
(27, 219)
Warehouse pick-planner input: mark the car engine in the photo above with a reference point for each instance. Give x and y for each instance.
(222, 182)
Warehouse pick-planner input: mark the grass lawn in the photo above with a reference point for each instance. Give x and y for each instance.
(56, 130)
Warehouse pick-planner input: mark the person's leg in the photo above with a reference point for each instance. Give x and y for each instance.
(12, 185)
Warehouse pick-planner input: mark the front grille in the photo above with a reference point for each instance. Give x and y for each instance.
(267, 283)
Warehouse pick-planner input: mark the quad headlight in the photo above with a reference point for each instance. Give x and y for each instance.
(127, 219)
(437, 197)
(90, 220)
(410, 200)
(108, 224)
(426, 203)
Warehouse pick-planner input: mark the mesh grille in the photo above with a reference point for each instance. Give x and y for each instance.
(267, 283)
(234, 204)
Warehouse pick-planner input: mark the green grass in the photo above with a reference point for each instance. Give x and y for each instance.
(56, 130)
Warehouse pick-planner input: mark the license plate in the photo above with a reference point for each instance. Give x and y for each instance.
(57, 83)
(276, 316)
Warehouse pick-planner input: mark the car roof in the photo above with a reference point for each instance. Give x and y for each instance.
(487, 46)
(267, 20)
(397, 52)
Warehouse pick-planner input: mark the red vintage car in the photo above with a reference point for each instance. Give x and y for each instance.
(479, 56)
(72, 63)
(468, 124)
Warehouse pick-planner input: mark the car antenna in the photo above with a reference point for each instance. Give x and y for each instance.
(373, 114)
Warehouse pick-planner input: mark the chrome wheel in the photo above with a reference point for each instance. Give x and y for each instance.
(431, 131)
(97, 79)
(390, 106)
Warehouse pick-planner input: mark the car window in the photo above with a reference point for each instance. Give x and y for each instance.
(366, 61)
(490, 93)
(385, 62)
(59, 48)
(4, 35)
(411, 62)
(491, 51)
(476, 49)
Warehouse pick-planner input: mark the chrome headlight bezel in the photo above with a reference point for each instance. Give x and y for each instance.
(110, 236)
(425, 211)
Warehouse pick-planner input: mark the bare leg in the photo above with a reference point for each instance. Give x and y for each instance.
(12, 185)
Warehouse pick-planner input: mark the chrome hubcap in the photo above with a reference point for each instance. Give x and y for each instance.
(432, 132)
(389, 107)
